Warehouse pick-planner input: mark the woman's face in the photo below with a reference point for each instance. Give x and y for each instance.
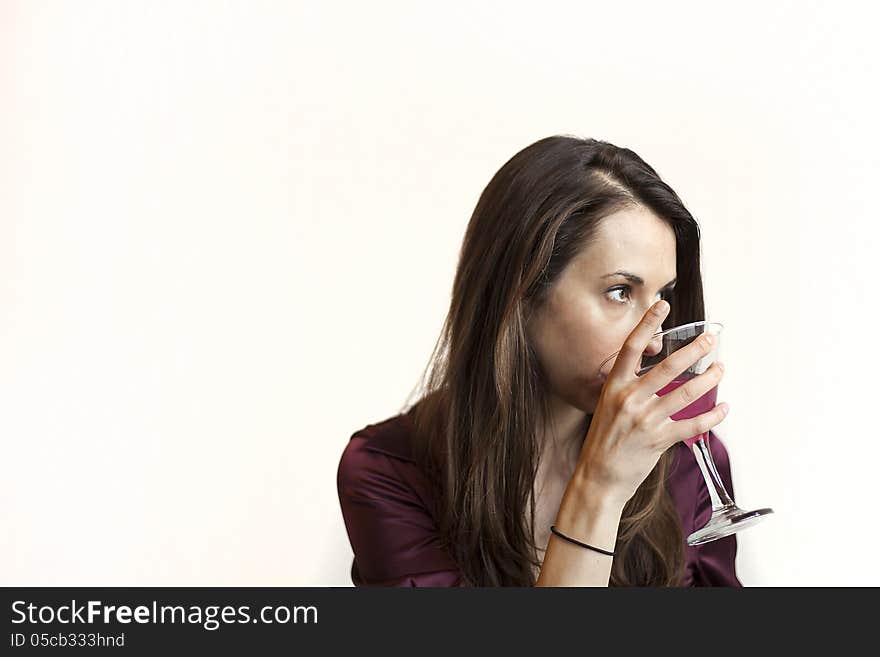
(592, 309)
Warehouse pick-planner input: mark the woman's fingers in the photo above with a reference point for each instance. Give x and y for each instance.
(678, 430)
(661, 374)
(630, 357)
(674, 401)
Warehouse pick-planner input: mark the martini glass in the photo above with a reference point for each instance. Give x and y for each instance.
(727, 517)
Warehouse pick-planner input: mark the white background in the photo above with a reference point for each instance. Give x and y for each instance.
(228, 232)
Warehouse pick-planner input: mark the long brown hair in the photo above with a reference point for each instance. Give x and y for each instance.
(483, 391)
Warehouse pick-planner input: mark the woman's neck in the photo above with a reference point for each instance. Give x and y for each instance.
(564, 432)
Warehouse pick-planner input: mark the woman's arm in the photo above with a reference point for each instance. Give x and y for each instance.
(628, 432)
(392, 532)
(588, 515)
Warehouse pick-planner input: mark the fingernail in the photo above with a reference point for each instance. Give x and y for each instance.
(661, 307)
(720, 365)
(724, 409)
(710, 339)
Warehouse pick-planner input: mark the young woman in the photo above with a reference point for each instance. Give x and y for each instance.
(576, 249)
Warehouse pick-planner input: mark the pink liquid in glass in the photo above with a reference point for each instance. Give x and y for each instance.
(700, 406)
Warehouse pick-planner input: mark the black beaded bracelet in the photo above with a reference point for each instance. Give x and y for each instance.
(576, 542)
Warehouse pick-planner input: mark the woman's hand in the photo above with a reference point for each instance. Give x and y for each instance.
(631, 426)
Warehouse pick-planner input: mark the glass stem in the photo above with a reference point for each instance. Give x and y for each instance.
(717, 492)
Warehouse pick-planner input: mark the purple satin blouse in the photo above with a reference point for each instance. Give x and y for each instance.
(388, 508)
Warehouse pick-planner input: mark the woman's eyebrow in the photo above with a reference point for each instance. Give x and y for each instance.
(638, 280)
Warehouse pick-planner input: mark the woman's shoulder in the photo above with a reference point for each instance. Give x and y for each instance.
(391, 437)
(379, 462)
(389, 509)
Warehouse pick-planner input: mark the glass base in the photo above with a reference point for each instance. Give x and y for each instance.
(726, 521)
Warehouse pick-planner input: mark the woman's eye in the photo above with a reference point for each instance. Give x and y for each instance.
(624, 290)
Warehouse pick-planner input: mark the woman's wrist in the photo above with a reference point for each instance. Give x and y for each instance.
(587, 515)
(588, 508)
